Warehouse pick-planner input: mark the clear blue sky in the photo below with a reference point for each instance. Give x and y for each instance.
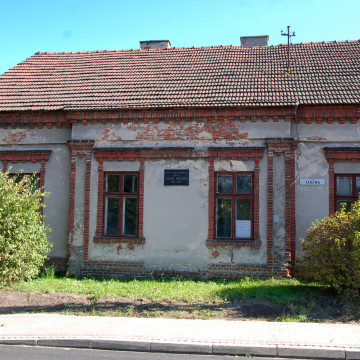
(29, 26)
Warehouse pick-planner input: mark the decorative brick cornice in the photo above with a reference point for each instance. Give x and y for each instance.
(329, 114)
(174, 114)
(343, 153)
(25, 155)
(81, 147)
(307, 114)
(228, 153)
(32, 119)
(279, 145)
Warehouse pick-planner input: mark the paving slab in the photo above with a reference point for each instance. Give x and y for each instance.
(256, 338)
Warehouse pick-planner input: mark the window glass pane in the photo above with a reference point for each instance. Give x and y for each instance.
(243, 184)
(357, 186)
(111, 216)
(224, 184)
(130, 216)
(243, 218)
(348, 205)
(130, 183)
(223, 221)
(112, 183)
(344, 185)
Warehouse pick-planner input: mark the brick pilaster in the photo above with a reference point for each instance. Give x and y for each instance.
(331, 186)
(87, 205)
(256, 198)
(5, 166)
(141, 198)
(211, 226)
(72, 201)
(270, 209)
(287, 147)
(100, 204)
(80, 148)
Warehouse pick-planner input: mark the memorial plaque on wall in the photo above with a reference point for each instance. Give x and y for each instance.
(176, 177)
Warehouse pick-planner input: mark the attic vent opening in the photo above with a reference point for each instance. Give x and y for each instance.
(254, 40)
(155, 44)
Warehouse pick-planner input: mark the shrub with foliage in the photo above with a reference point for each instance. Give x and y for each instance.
(332, 250)
(23, 235)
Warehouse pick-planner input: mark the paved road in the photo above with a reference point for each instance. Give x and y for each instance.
(11, 352)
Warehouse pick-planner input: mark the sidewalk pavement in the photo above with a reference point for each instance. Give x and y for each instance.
(256, 338)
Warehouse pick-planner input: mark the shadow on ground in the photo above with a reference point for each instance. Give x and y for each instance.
(254, 304)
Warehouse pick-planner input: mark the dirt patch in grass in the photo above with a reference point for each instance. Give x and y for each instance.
(321, 309)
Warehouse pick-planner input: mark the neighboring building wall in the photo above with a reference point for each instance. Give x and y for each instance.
(312, 201)
(44, 151)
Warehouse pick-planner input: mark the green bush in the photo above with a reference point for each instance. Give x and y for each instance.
(332, 250)
(23, 235)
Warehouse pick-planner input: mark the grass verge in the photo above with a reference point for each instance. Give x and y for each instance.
(293, 300)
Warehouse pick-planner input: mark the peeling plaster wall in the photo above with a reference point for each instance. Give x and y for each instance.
(176, 217)
(279, 209)
(200, 134)
(312, 202)
(34, 136)
(57, 182)
(326, 132)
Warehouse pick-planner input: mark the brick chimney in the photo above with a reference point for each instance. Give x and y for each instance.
(254, 40)
(155, 44)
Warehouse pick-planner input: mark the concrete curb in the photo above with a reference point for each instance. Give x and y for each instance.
(300, 352)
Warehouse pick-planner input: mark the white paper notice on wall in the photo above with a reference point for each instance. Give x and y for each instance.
(243, 228)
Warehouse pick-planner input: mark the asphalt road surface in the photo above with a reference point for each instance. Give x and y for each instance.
(12, 352)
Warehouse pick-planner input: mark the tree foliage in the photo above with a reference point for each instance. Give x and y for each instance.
(332, 250)
(24, 244)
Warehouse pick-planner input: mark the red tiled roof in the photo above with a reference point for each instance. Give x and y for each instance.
(224, 76)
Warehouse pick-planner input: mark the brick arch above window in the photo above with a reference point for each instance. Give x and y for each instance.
(332, 154)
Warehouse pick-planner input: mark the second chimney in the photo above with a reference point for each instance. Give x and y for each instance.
(155, 44)
(254, 40)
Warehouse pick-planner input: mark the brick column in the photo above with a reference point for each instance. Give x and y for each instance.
(211, 226)
(80, 149)
(72, 201)
(270, 209)
(287, 147)
(5, 166)
(42, 173)
(141, 198)
(87, 204)
(256, 198)
(331, 186)
(100, 205)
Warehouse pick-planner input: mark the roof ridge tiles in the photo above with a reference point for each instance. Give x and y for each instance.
(193, 47)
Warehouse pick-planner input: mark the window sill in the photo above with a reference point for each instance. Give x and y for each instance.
(118, 239)
(235, 243)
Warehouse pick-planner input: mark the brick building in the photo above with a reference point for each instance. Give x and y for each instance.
(208, 161)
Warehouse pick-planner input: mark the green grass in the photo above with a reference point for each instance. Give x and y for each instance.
(195, 299)
(280, 291)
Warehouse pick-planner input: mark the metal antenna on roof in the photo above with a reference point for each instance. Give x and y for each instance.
(289, 35)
